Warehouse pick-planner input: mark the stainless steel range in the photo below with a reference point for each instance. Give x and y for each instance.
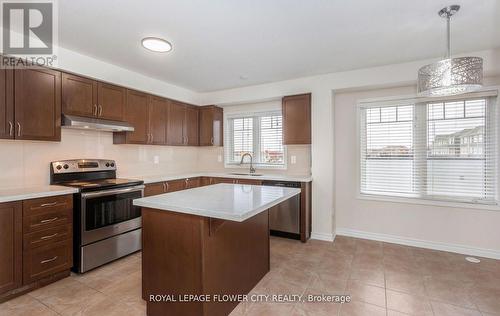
(107, 225)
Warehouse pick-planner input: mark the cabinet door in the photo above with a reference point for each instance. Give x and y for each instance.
(111, 100)
(10, 246)
(206, 125)
(191, 126)
(175, 125)
(155, 188)
(297, 119)
(136, 113)
(79, 95)
(6, 104)
(176, 185)
(158, 108)
(218, 127)
(37, 104)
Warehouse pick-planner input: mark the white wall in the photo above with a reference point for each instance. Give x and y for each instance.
(324, 153)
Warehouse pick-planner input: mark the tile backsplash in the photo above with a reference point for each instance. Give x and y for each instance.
(26, 163)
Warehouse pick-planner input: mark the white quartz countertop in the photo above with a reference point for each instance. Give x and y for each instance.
(234, 202)
(26, 193)
(275, 177)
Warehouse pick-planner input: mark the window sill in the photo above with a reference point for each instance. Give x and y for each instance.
(417, 201)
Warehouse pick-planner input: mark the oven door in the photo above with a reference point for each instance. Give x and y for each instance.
(110, 212)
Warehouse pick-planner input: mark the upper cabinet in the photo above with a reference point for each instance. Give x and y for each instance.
(79, 95)
(86, 97)
(136, 113)
(110, 101)
(182, 126)
(211, 126)
(6, 104)
(37, 104)
(296, 119)
(148, 115)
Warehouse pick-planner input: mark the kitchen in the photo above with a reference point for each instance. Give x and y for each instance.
(120, 176)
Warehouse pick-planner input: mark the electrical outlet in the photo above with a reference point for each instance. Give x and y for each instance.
(156, 159)
(293, 160)
(219, 158)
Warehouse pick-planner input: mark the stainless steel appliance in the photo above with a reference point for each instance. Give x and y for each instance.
(284, 218)
(107, 225)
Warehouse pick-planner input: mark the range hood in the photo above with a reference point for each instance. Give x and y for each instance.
(90, 123)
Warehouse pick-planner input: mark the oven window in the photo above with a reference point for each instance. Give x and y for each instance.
(110, 209)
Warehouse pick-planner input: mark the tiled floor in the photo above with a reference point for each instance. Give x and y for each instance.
(381, 278)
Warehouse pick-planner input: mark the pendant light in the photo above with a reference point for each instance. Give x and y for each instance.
(450, 76)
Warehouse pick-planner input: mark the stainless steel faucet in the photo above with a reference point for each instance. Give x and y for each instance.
(252, 169)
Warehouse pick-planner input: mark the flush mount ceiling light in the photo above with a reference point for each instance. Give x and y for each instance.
(156, 44)
(450, 76)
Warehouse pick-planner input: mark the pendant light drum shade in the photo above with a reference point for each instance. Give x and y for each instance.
(451, 76)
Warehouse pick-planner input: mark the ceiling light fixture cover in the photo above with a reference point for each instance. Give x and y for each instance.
(156, 44)
(450, 76)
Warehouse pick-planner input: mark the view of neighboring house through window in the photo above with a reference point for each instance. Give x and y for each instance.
(260, 134)
(433, 150)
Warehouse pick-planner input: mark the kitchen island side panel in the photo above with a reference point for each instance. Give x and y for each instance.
(189, 254)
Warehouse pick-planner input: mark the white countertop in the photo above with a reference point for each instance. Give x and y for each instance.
(276, 177)
(234, 202)
(26, 193)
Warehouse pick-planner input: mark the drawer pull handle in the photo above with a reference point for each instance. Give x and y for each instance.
(48, 260)
(49, 236)
(48, 204)
(49, 220)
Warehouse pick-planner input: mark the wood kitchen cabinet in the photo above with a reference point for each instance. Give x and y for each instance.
(37, 104)
(148, 115)
(211, 126)
(158, 111)
(11, 236)
(110, 100)
(136, 113)
(6, 104)
(87, 97)
(296, 111)
(171, 186)
(79, 96)
(182, 126)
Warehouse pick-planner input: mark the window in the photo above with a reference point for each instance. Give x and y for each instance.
(439, 150)
(260, 134)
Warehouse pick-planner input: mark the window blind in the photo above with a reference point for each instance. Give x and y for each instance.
(260, 134)
(438, 150)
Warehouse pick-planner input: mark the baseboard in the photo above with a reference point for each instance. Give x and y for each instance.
(466, 250)
(322, 236)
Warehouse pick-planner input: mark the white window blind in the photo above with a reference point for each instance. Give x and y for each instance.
(439, 150)
(260, 134)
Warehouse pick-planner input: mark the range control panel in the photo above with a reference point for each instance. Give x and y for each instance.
(82, 165)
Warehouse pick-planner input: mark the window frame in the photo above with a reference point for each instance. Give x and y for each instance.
(229, 145)
(492, 117)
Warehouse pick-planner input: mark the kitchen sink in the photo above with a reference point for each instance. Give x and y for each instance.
(246, 174)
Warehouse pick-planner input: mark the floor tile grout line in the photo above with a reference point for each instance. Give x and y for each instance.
(41, 302)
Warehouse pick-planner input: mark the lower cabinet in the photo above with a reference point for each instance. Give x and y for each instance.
(36, 243)
(171, 186)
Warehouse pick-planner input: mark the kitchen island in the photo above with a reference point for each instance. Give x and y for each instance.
(204, 243)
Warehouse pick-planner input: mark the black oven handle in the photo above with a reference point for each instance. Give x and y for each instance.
(90, 195)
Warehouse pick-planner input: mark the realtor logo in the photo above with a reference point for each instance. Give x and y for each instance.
(27, 28)
(29, 33)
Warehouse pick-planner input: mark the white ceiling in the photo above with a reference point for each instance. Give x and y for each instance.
(216, 42)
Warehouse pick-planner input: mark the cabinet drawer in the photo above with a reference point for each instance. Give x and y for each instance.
(49, 218)
(47, 260)
(47, 236)
(42, 205)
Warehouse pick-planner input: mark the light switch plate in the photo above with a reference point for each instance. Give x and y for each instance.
(156, 159)
(293, 160)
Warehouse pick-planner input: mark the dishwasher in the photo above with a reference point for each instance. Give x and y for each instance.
(284, 218)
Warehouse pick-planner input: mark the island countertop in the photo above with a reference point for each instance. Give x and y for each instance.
(234, 202)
